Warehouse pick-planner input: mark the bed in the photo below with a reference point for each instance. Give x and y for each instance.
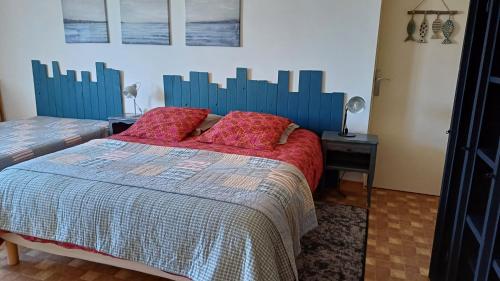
(181, 210)
(24, 139)
(70, 112)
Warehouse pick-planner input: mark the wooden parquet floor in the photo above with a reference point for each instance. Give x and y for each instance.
(400, 231)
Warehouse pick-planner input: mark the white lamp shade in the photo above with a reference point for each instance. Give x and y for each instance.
(130, 91)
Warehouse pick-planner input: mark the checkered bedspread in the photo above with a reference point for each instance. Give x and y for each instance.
(21, 140)
(201, 214)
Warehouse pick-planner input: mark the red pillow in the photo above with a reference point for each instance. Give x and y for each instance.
(167, 123)
(248, 130)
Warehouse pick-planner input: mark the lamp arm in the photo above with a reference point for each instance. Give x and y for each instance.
(137, 106)
(345, 122)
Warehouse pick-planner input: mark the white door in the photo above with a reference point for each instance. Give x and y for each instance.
(413, 111)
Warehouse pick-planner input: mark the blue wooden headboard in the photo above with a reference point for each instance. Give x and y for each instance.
(310, 108)
(64, 96)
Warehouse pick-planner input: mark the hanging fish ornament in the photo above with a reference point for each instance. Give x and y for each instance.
(410, 29)
(448, 28)
(424, 28)
(437, 25)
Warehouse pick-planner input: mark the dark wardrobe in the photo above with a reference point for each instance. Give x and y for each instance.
(466, 243)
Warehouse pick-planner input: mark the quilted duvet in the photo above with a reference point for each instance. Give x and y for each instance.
(202, 214)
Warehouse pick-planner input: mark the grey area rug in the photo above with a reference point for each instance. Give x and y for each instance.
(336, 249)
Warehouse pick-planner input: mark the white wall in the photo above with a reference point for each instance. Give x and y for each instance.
(413, 111)
(337, 36)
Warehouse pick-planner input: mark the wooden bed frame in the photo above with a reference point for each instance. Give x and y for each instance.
(13, 241)
(310, 108)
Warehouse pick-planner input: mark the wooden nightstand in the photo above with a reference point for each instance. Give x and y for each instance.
(118, 124)
(357, 154)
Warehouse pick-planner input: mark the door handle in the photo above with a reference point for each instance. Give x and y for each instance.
(378, 82)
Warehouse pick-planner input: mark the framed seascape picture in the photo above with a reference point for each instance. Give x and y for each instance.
(85, 21)
(145, 22)
(213, 23)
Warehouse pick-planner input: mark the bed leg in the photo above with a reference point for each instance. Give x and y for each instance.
(12, 253)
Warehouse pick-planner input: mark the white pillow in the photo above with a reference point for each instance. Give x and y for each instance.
(208, 123)
(288, 131)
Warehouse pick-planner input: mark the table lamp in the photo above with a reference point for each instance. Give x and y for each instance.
(354, 105)
(130, 92)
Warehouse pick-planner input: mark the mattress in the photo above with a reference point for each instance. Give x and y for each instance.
(21, 140)
(223, 213)
(201, 214)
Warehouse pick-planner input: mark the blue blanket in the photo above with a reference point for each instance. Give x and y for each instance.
(21, 140)
(201, 214)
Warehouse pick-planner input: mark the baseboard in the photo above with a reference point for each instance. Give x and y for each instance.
(361, 178)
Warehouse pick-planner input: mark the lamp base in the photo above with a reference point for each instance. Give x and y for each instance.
(347, 135)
